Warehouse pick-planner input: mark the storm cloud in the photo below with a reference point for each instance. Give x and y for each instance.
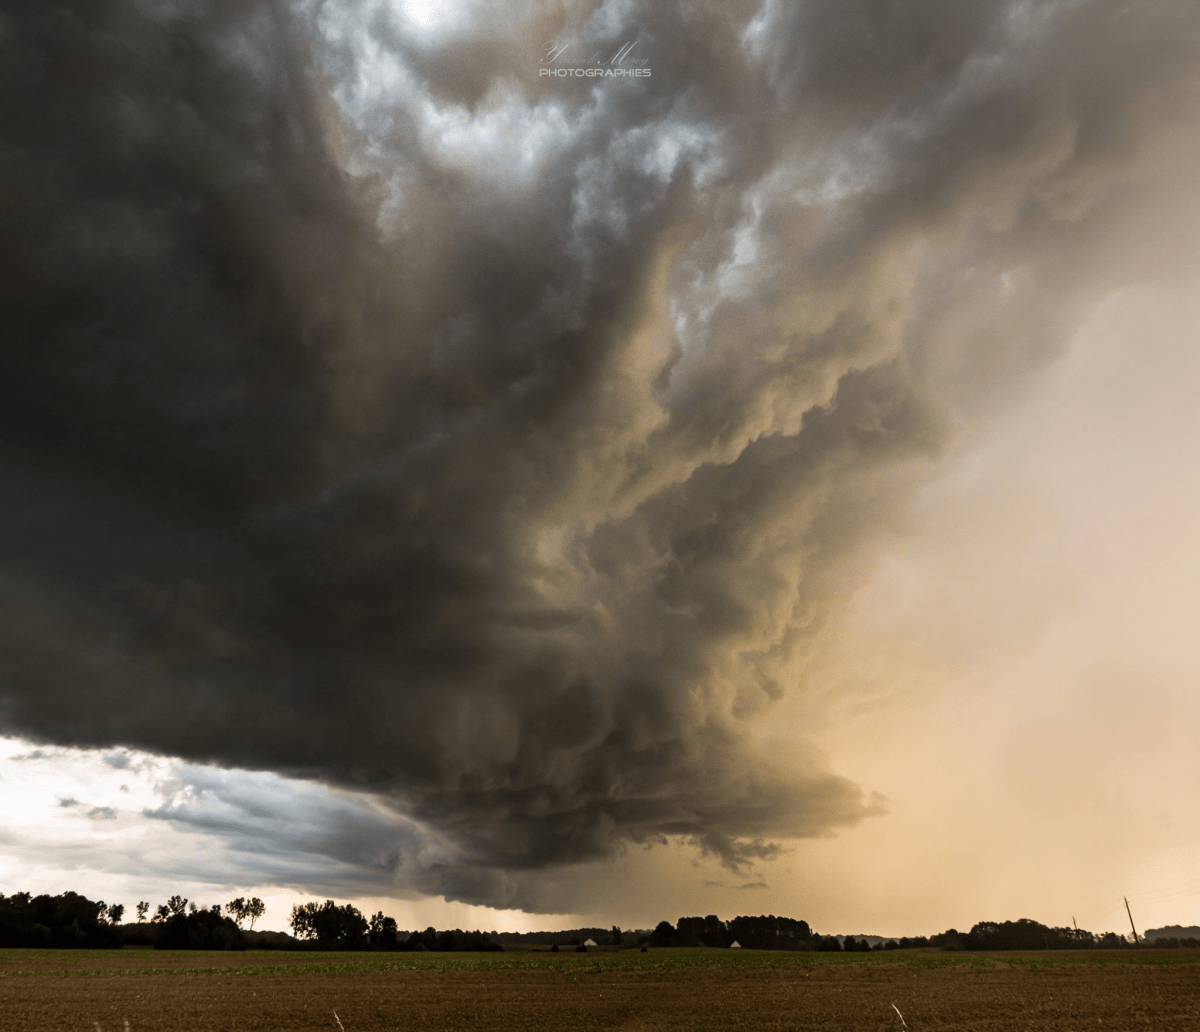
(378, 412)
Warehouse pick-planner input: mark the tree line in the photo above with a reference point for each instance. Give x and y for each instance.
(70, 920)
(782, 933)
(330, 926)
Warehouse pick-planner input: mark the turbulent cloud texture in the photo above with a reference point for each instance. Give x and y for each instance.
(380, 412)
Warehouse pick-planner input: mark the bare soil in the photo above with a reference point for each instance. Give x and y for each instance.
(825, 997)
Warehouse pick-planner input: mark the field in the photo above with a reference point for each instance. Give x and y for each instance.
(669, 990)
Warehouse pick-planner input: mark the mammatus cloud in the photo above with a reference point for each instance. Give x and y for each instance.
(377, 412)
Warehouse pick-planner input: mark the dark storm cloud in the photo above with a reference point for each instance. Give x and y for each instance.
(499, 446)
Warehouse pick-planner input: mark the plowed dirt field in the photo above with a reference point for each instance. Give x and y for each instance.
(171, 992)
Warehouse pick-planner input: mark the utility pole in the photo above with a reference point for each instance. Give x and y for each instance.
(1130, 913)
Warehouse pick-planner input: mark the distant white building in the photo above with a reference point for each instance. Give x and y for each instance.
(589, 942)
(735, 945)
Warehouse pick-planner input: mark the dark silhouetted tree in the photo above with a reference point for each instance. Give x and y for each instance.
(382, 932)
(337, 927)
(245, 910)
(199, 929)
(66, 921)
(1024, 934)
(255, 908)
(663, 934)
(236, 908)
(702, 931)
(770, 933)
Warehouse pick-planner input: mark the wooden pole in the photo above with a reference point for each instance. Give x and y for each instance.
(1130, 913)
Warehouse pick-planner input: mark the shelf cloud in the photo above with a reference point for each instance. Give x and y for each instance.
(380, 413)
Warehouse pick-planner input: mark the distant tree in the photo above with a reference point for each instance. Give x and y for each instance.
(162, 912)
(255, 908)
(447, 940)
(1024, 934)
(143, 908)
(688, 930)
(1175, 942)
(199, 929)
(663, 934)
(176, 905)
(245, 910)
(115, 913)
(330, 924)
(768, 932)
(702, 931)
(381, 931)
(950, 939)
(237, 910)
(65, 921)
(304, 919)
(616, 935)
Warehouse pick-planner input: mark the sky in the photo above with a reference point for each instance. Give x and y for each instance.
(438, 474)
